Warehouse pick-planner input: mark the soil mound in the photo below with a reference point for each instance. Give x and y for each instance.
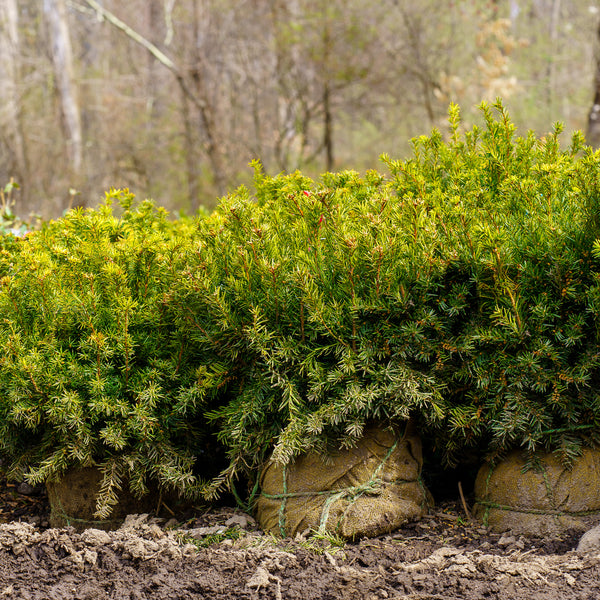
(146, 560)
(221, 554)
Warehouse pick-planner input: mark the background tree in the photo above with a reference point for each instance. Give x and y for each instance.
(64, 75)
(10, 117)
(178, 109)
(593, 124)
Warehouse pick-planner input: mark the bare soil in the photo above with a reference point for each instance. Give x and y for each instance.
(220, 553)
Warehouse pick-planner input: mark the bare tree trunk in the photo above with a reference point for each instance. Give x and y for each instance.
(328, 128)
(420, 68)
(196, 94)
(62, 58)
(327, 110)
(191, 160)
(593, 126)
(10, 118)
(156, 36)
(554, 29)
(205, 110)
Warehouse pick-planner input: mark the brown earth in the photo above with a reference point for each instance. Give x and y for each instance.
(220, 553)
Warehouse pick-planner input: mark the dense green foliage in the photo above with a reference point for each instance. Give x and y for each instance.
(92, 370)
(462, 291)
(519, 220)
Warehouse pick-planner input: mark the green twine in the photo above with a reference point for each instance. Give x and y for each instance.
(487, 484)
(534, 511)
(283, 503)
(71, 520)
(424, 492)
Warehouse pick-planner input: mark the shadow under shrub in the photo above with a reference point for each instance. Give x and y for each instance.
(93, 371)
(461, 291)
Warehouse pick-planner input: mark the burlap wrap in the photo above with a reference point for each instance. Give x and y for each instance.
(540, 501)
(73, 501)
(364, 491)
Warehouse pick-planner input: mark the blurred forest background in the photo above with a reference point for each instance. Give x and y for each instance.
(173, 98)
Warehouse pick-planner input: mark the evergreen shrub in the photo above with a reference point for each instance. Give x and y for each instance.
(462, 290)
(93, 371)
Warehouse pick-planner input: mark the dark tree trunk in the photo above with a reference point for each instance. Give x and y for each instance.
(327, 128)
(593, 126)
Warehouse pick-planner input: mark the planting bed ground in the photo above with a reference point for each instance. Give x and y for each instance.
(440, 557)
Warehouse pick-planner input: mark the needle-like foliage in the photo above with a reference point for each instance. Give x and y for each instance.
(461, 291)
(93, 371)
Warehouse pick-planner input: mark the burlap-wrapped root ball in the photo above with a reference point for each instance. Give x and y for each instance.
(73, 501)
(364, 491)
(544, 500)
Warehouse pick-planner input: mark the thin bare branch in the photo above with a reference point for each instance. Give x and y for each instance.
(134, 35)
(148, 45)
